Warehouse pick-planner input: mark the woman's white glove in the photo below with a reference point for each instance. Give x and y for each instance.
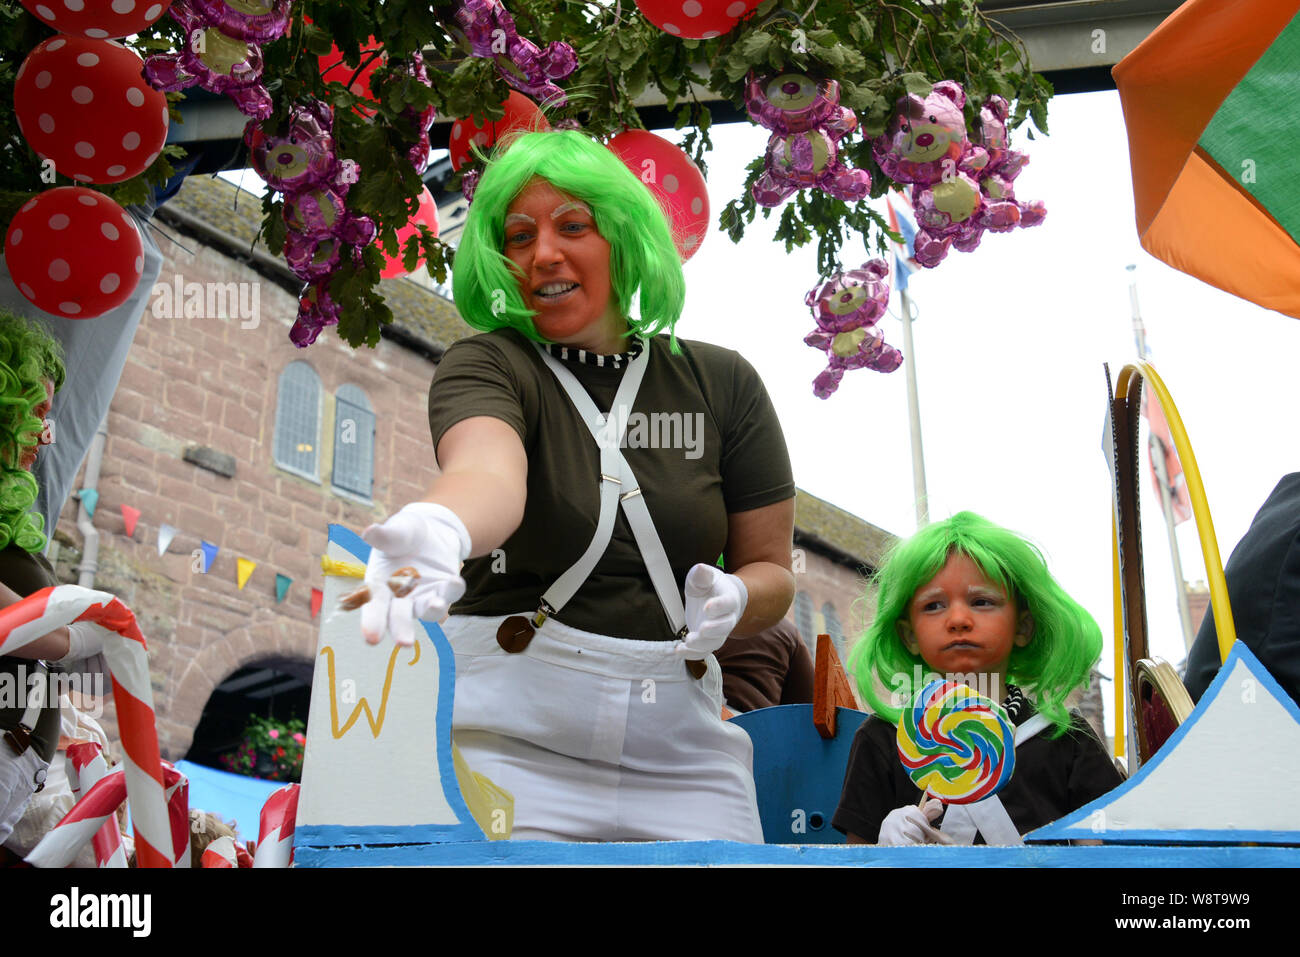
(715, 602)
(429, 538)
(85, 640)
(912, 825)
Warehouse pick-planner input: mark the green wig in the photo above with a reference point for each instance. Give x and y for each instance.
(642, 255)
(1066, 641)
(29, 356)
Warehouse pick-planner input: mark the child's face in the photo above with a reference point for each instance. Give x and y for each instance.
(959, 622)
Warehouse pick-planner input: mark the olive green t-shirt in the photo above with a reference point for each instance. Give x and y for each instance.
(26, 573)
(703, 440)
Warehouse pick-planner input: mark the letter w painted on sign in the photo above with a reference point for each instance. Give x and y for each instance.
(376, 723)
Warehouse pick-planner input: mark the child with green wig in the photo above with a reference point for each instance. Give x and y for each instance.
(967, 600)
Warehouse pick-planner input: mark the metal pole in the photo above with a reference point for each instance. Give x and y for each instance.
(914, 416)
(1157, 450)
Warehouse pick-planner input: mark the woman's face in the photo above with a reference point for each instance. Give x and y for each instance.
(563, 267)
(42, 411)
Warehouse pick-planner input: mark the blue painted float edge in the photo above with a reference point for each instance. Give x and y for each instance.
(728, 854)
(1068, 827)
(467, 829)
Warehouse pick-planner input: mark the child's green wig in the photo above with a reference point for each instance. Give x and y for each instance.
(1065, 644)
(642, 255)
(29, 355)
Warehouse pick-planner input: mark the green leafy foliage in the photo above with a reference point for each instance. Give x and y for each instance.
(878, 50)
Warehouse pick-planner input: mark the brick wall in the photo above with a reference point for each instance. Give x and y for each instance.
(206, 381)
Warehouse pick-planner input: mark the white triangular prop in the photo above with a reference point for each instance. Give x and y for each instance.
(1228, 774)
(165, 535)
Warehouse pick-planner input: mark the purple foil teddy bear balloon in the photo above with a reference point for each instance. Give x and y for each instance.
(302, 164)
(807, 124)
(846, 308)
(222, 52)
(490, 31)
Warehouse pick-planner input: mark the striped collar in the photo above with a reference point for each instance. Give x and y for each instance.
(593, 359)
(1019, 707)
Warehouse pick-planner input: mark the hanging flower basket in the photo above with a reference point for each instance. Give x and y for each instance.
(269, 749)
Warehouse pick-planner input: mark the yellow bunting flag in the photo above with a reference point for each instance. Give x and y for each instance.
(246, 566)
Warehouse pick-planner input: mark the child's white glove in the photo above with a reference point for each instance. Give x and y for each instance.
(912, 825)
(429, 538)
(715, 602)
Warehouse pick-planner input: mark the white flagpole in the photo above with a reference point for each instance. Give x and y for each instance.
(1156, 449)
(914, 416)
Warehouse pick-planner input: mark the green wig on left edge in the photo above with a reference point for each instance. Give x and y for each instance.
(29, 356)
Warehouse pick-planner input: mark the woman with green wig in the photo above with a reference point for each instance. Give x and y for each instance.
(31, 371)
(592, 468)
(968, 601)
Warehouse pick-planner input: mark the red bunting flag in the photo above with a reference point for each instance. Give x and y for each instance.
(317, 596)
(130, 516)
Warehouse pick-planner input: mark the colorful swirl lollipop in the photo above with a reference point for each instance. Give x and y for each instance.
(955, 744)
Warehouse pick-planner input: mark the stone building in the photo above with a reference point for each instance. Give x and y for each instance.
(223, 430)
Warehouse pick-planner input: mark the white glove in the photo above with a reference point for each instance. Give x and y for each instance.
(433, 541)
(84, 641)
(715, 602)
(912, 825)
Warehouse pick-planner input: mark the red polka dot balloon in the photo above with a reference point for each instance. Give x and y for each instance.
(426, 215)
(675, 181)
(695, 19)
(97, 19)
(74, 252)
(333, 68)
(521, 114)
(83, 104)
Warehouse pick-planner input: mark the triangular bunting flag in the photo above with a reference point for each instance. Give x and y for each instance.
(209, 555)
(129, 517)
(317, 596)
(244, 569)
(89, 498)
(282, 583)
(165, 535)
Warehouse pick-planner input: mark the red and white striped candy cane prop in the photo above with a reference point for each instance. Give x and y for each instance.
(85, 766)
(226, 852)
(275, 833)
(59, 847)
(128, 666)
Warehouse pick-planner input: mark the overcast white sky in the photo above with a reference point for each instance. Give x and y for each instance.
(1009, 344)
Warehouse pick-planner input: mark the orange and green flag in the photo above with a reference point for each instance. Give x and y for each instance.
(1215, 147)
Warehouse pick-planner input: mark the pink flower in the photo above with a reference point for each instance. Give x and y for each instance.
(299, 737)
(273, 733)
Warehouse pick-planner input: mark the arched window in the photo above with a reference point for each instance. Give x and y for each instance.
(834, 630)
(803, 619)
(297, 421)
(354, 443)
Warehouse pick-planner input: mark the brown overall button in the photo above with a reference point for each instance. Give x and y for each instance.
(514, 634)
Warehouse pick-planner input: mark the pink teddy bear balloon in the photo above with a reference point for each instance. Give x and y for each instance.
(807, 124)
(489, 29)
(926, 140)
(846, 308)
(222, 52)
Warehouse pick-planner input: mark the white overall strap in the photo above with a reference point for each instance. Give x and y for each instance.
(989, 816)
(618, 485)
(35, 694)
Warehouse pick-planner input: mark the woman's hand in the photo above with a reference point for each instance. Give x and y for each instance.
(715, 602)
(429, 539)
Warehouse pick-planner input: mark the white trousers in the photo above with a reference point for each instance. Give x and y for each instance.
(17, 785)
(601, 739)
